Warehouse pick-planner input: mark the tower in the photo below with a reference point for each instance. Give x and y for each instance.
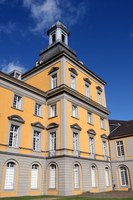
(58, 33)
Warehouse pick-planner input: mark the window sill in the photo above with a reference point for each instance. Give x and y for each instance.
(37, 116)
(75, 117)
(38, 151)
(103, 129)
(90, 123)
(17, 109)
(53, 117)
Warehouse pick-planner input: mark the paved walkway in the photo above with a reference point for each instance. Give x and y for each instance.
(113, 194)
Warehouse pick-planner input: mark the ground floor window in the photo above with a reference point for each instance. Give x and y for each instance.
(107, 179)
(34, 176)
(76, 176)
(52, 176)
(123, 176)
(9, 175)
(93, 176)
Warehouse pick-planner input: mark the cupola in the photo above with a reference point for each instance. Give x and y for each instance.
(58, 33)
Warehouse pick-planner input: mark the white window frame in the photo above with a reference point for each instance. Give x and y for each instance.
(104, 145)
(120, 148)
(17, 102)
(9, 176)
(107, 176)
(92, 146)
(53, 110)
(38, 109)
(52, 176)
(123, 180)
(52, 143)
(34, 176)
(76, 175)
(99, 97)
(36, 140)
(72, 81)
(53, 80)
(102, 123)
(93, 176)
(74, 111)
(90, 117)
(75, 143)
(87, 89)
(13, 135)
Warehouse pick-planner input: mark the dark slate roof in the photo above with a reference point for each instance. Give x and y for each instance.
(120, 128)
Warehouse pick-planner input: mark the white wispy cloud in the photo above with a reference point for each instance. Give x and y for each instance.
(46, 12)
(7, 28)
(11, 66)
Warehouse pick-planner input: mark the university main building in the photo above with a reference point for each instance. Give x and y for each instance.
(54, 131)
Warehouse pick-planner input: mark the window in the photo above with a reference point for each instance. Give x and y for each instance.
(87, 89)
(120, 148)
(53, 37)
(99, 97)
(76, 143)
(52, 143)
(72, 81)
(53, 110)
(9, 176)
(54, 80)
(76, 176)
(102, 123)
(13, 136)
(90, 120)
(123, 176)
(17, 101)
(107, 179)
(63, 38)
(93, 176)
(74, 111)
(92, 147)
(34, 176)
(36, 140)
(38, 109)
(52, 176)
(104, 148)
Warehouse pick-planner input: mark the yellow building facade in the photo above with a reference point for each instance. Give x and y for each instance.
(54, 126)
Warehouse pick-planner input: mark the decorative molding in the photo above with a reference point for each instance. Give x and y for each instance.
(53, 70)
(52, 125)
(38, 125)
(104, 136)
(99, 88)
(87, 80)
(73, 71)
(76, 126)
(16, 118)
(91, 131)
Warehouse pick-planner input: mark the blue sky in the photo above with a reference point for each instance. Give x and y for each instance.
(101, 33)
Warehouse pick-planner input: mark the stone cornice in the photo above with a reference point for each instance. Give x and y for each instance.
(21, 84)
(66, 89)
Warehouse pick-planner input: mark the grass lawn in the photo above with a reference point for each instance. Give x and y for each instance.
(62, 198)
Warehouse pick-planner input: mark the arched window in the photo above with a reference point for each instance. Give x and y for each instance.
(93, 176)
(76, 176)
(52, 176)
(34, 176)
(107, 179)
(9, 175)
(123, 176)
